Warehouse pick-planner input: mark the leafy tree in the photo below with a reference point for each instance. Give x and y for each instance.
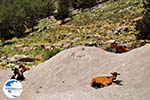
(5, 22)
(12, 19)
(144, 24)
(4, 30)
(63, 9)
(18, 15)
(18, 19)
(84, 3)
(17, 26)
(46, 8)
(30, 15)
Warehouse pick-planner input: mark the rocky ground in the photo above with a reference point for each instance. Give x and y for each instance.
(67, 76)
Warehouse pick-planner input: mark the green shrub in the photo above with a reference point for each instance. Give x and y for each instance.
(144, 24)
(63, 9)
(18, 15)
(53, 52)
(84, 3)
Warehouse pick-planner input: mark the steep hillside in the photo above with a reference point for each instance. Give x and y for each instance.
(92, 27)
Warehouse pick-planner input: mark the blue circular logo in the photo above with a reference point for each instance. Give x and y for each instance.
(12, 88)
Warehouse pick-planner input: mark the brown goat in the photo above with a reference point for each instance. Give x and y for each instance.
(18, 75)
(119, 49)
(18, 72)
(23, 68)
(104, 81)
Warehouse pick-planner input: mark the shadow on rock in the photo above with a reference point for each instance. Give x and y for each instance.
(118, 82)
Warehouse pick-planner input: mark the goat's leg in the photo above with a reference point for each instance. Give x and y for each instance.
(16, 76)
(105, 84)
(12, 77)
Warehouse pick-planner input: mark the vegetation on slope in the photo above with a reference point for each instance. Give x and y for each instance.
(95, 26)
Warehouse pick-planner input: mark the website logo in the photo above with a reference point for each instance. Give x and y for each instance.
(12, 88)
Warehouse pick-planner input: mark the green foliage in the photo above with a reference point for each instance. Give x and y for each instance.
(144, 24)
(53, 52)
(90, 26)
(63, 9)
(17, 15)
(31, 16)
(17, 25)
(83, 3)
(65, 5)
(46, 8)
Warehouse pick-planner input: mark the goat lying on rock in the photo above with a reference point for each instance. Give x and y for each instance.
(103, 81)
(119, 48)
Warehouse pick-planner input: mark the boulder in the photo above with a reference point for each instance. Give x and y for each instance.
(22, 58)
(91, 44)
(42, 29)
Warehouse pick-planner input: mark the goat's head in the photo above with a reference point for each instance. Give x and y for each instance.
(114, 44)
(16, 70)
(114, 74)
(21, 65)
